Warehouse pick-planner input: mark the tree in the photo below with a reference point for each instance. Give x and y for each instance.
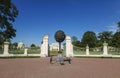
(105, 36)
(74, 38)
(32, 46)
(8, 13)
(118, 26)
(14, 45)
(76, 43)
(89, 38)
(116, 40)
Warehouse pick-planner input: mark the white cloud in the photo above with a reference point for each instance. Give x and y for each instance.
(112, 28)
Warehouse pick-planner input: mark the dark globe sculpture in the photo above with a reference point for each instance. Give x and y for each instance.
(59, 36)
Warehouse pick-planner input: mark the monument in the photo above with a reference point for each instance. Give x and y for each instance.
(60, 37)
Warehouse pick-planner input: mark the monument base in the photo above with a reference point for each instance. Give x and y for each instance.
(60, 58)
(43, 55)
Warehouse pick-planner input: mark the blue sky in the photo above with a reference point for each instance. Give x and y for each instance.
(39, 17)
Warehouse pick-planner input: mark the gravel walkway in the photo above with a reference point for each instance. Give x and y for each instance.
(40, 68)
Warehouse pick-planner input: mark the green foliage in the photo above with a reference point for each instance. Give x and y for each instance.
(118, 26)
(14, 45)
(8, 13)
(105, 36)
(116, 40)
(74, 38)
(76, 43)
(89, 38)
(33, 46)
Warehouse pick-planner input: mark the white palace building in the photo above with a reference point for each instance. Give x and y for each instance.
(55, 46)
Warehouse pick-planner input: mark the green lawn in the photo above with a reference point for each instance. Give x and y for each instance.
(1, 51)
(91, 52)
(53, 52)
(114, 53)
(30, 51)
(80, 52)
(37, 51)
(95, 53)
(16, 51)
(34, 51)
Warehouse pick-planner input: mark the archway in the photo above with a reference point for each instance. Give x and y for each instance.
(45, 49)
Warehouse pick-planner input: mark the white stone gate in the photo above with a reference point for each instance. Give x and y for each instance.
(45, 47)
(69, 47)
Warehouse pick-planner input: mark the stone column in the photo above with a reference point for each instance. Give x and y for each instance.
(6, 48)
(105, 48)
(87, 50)
(25, 51)
(44, 46)
(69, 47)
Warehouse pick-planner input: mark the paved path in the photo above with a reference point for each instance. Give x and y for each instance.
(40, 68)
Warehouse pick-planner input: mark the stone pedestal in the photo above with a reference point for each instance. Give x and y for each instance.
(69, 47)
(6, 48)
(105, 48)
(44, 47)
(25, 51)
(87, 50)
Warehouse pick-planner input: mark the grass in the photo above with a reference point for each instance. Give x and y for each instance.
(90, 57)
(80, 52)
(30, 51)
(91, 52)
(114, 53)
(34, 51)
(95, 53)
(16, 51)
(53, 52)
(1, 52)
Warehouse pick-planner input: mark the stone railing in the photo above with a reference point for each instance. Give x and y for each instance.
(44, 50)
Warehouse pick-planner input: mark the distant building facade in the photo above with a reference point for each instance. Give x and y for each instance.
(21, 45)
(55, 47)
